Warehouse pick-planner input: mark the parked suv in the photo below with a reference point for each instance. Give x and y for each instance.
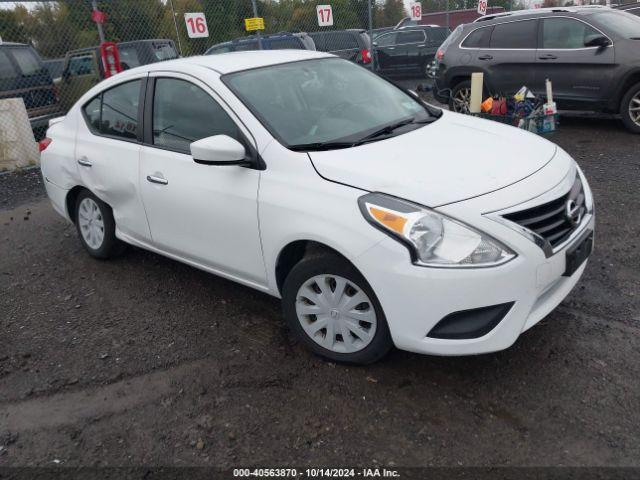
(352, 44)
(83, 67)
(276, 41)
(23, 75)
(591, 55)
(408, 50)
(631, 8)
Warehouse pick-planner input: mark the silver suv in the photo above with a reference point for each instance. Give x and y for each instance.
(591, 54)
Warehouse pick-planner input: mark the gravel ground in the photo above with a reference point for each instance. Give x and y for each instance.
(145, 361)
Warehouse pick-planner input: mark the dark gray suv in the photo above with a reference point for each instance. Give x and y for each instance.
(591, 54)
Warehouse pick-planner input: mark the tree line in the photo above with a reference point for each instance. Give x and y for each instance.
(54, 28)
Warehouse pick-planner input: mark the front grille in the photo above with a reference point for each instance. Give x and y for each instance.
(556, 220)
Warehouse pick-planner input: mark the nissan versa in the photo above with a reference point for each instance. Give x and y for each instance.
(378, 219)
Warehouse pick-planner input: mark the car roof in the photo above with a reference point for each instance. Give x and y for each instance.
(14, 44)
(236, 61)
(533, 13)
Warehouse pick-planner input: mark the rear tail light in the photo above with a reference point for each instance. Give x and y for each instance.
(43, 144)
(440, 54)
(366, 55)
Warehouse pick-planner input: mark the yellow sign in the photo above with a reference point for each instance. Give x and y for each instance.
(255, 23)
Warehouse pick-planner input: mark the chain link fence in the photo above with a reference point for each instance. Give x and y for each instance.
(50, 50)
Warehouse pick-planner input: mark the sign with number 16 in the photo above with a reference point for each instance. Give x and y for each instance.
(196, 25)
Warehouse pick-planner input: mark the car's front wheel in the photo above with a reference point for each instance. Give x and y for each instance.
(630, 109)
(330, 306)
(96, 226)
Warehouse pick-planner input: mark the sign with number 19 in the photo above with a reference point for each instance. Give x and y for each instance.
(482, 7)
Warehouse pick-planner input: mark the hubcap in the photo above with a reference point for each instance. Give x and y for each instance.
(461, 100)
(91, 223)
(336, 313)
(634, 109)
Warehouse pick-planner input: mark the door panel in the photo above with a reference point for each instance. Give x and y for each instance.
(207, 214)
(387, 52)
(510, 58)
(577, 73)
(203, 213)
(108, 156)
(412, 44)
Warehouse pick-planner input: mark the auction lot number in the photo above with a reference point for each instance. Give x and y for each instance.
(196, 25)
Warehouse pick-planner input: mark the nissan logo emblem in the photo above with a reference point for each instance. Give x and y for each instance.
(573, 212)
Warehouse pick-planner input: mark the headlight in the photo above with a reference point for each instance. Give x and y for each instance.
(433, 239)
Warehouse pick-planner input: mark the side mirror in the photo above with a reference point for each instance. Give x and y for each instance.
(219, 150)
(599, 41)
(375, 44)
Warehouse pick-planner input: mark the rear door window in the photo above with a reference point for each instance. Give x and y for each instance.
(6, 67)
(386, 40)
(479, 38)
(566, 33)
(515, 35)
(335, 41)
(164, 51)
(28, 62)
(412, 36)
(286, 43)
(80, 65)
(115, 111)
(129, 57)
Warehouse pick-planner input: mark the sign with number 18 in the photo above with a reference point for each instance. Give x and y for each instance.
(416, 10)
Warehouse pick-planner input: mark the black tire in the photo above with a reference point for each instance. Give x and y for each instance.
(332, 264)
(455, 92)
(110, 245)
(632, 96)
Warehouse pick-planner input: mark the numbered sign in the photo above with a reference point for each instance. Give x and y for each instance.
(482, 7)
(415, 8)
(325, 15)
(196, 25)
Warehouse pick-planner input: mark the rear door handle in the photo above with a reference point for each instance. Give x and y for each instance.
(548, 57)
(156, 179)
(485, 57)
(84, 161)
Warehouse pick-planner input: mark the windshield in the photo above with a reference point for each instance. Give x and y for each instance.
(324, 101)
(624, 24)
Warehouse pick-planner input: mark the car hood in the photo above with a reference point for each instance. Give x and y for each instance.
(455, 158)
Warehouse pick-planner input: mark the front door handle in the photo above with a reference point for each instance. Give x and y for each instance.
(84, 161)
(485, 57)
(156, 179)
(548, 57)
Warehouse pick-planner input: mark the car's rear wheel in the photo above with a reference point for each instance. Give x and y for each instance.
(630, 109)
(330, 306)
(460, 99)
(96, 226)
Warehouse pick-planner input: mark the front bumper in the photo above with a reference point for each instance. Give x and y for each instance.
(416, 298)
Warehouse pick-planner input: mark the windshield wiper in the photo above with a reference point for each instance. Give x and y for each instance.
(386, 130)
(319, 146)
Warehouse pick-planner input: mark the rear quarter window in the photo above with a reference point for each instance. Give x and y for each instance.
(334, 41)
(479, 38)
(437, 35)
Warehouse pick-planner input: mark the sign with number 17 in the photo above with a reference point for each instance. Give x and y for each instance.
(416, 10)
(325, 15)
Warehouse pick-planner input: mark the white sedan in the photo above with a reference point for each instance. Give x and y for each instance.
(378, 219)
